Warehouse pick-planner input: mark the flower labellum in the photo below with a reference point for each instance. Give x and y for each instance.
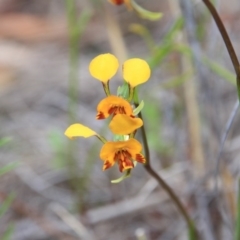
(123, 124)
(123, 153)
(113, 105)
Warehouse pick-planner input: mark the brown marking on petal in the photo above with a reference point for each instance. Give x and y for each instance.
(112, 110)
(140, 158)
(124, 160)
(120, 166)
(117, 110)
(117, 2)
(127, 163)
(100, 115)
(106, 165)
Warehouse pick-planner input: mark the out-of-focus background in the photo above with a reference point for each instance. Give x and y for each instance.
(52, 192)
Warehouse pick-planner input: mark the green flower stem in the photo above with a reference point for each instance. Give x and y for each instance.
(237, 231)
(76, 26)
(131, 93)
(102, 139)
(74, 34)
(227, 41)
(106, 88)
(191, 227)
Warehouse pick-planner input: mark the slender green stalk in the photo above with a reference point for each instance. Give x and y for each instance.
(76, 26)
(74, 34)
(191, 227)
(72, 85)
(237, 231)
(227, 41)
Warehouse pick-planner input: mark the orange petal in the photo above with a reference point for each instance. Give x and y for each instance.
(122, 124)
(104, 67)
(136, 71)
(107, 164)
(116, 2)
(113, 105)
(140, 158)
(125, 165)
(109, 149)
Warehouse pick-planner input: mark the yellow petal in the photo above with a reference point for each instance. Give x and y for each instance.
(104, 67)
(79, 130)
(122, 124)
(136, 71)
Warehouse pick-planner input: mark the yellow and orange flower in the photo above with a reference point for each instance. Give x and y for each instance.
(119, 2)
(123, 153)
(113, 105)
(135, 71)
(123, 124)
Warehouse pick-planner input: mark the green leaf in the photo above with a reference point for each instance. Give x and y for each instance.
(220, 70)
(6, 204)
(123, 91)
(4, 141)
(8, 168)
(83, 20)
(143, 32)
(124, 176)
(8, 233)
(58, 145)
(137, 110)
(191, 231)
(177, 81)
(167, 45)
(177, 26)
(143, 13)
(117, 138)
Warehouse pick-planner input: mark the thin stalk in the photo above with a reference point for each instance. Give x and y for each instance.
(227, 41)
(237, 232)
(191, 227)
(73, 58)
(72, 86)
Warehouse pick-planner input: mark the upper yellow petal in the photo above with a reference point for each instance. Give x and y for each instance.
(79, 130)
(136, 71)
(123, 124)
(104, 67)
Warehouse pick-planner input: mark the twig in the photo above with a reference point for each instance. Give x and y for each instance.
(72, 222)
(237, 231)
(162, 183)
(190, 88)
(24, 209)
(42, 187)
(145, 198)
(205, 217)
(227, 41)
